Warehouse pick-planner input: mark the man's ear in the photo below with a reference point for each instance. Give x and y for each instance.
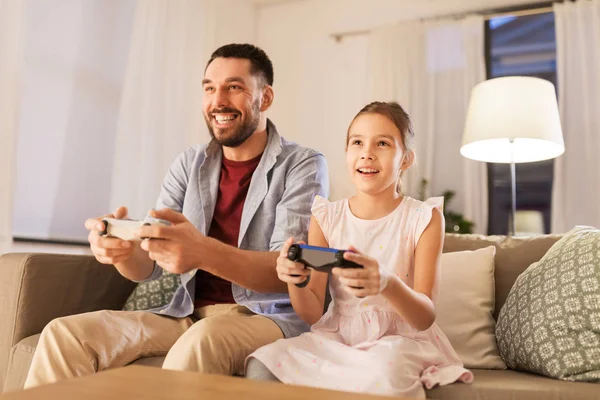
(409, 159)
(267, 98)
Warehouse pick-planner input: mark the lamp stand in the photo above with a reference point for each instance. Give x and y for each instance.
(513, 188)
(513, 184)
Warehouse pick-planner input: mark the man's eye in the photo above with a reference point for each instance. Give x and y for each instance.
(208, 88)
(234, 87)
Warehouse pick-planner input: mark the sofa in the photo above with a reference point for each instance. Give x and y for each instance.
(36, 288)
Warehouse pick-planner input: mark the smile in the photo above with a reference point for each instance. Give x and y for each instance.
(224, 119)
(367, 171)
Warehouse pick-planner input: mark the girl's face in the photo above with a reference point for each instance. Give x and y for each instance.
(374, 153)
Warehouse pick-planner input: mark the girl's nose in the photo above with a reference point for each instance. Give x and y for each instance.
(367, 154)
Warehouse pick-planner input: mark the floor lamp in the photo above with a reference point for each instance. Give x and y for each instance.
(513, 120)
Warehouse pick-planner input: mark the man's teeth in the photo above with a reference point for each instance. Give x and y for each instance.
(224, 118)
(368, 170)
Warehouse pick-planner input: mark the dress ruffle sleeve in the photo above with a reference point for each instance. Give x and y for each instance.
(426, 210)
(320, 210)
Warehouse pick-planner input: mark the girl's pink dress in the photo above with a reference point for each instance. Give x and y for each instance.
(362, 344)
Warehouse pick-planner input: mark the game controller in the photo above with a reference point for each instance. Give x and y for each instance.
(322, 259)
(124, 228)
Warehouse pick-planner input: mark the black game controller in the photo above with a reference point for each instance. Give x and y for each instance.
(322, 259)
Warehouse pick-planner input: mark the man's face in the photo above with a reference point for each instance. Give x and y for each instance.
(231, 101)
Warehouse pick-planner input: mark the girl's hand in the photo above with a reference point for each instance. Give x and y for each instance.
(361, 282)
(290, 271)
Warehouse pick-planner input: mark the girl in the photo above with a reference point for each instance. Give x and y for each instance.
(378, 334)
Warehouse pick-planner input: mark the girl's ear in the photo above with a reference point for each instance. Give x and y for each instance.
(408, 160)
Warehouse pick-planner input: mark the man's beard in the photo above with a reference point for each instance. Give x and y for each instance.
(242, 133)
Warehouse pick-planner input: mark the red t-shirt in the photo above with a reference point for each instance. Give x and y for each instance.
(225, 226)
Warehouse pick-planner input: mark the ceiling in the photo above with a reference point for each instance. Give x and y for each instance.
(482, 3)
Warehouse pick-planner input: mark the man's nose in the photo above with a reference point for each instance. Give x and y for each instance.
(220, 99)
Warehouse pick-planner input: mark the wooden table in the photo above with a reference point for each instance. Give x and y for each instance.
(136, 382)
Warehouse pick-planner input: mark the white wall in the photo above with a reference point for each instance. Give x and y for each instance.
(320, 84)
(75, 55)
(76, 52)
(75, 59)
(12, 39)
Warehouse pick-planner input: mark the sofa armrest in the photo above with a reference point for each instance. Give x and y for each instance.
(37, 288)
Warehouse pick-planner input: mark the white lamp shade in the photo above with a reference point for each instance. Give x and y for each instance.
(513, 119)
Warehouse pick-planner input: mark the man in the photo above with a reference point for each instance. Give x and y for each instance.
(232, 204)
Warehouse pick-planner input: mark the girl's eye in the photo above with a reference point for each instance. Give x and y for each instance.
(356, 142)
(382, 143)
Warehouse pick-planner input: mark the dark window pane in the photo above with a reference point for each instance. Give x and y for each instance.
(521, 46)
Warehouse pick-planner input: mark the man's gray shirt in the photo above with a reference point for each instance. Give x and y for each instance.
(277, 206)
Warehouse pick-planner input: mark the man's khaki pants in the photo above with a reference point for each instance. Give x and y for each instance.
(83, 344)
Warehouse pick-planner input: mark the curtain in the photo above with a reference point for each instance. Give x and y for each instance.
(430, 68)
(161, 113)
(576, 190)
(12, 14)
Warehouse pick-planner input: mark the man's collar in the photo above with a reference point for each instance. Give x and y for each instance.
(274, 145)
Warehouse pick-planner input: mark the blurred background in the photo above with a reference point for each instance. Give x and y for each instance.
(97, 97)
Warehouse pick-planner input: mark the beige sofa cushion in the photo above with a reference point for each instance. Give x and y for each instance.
(19, 362)
(465, 306)
(513, 256)
(150, 361)
(503, 385)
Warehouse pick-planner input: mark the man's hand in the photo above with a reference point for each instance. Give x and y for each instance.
(108, 250)
(176, 248)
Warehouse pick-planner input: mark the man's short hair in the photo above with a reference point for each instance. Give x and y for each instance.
(260, 64)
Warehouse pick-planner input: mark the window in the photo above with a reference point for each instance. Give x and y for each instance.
(523, 46)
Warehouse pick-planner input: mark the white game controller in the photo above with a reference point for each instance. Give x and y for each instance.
(124, 228)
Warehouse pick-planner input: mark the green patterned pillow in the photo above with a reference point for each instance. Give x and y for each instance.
(153, 294)
(550, 323)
